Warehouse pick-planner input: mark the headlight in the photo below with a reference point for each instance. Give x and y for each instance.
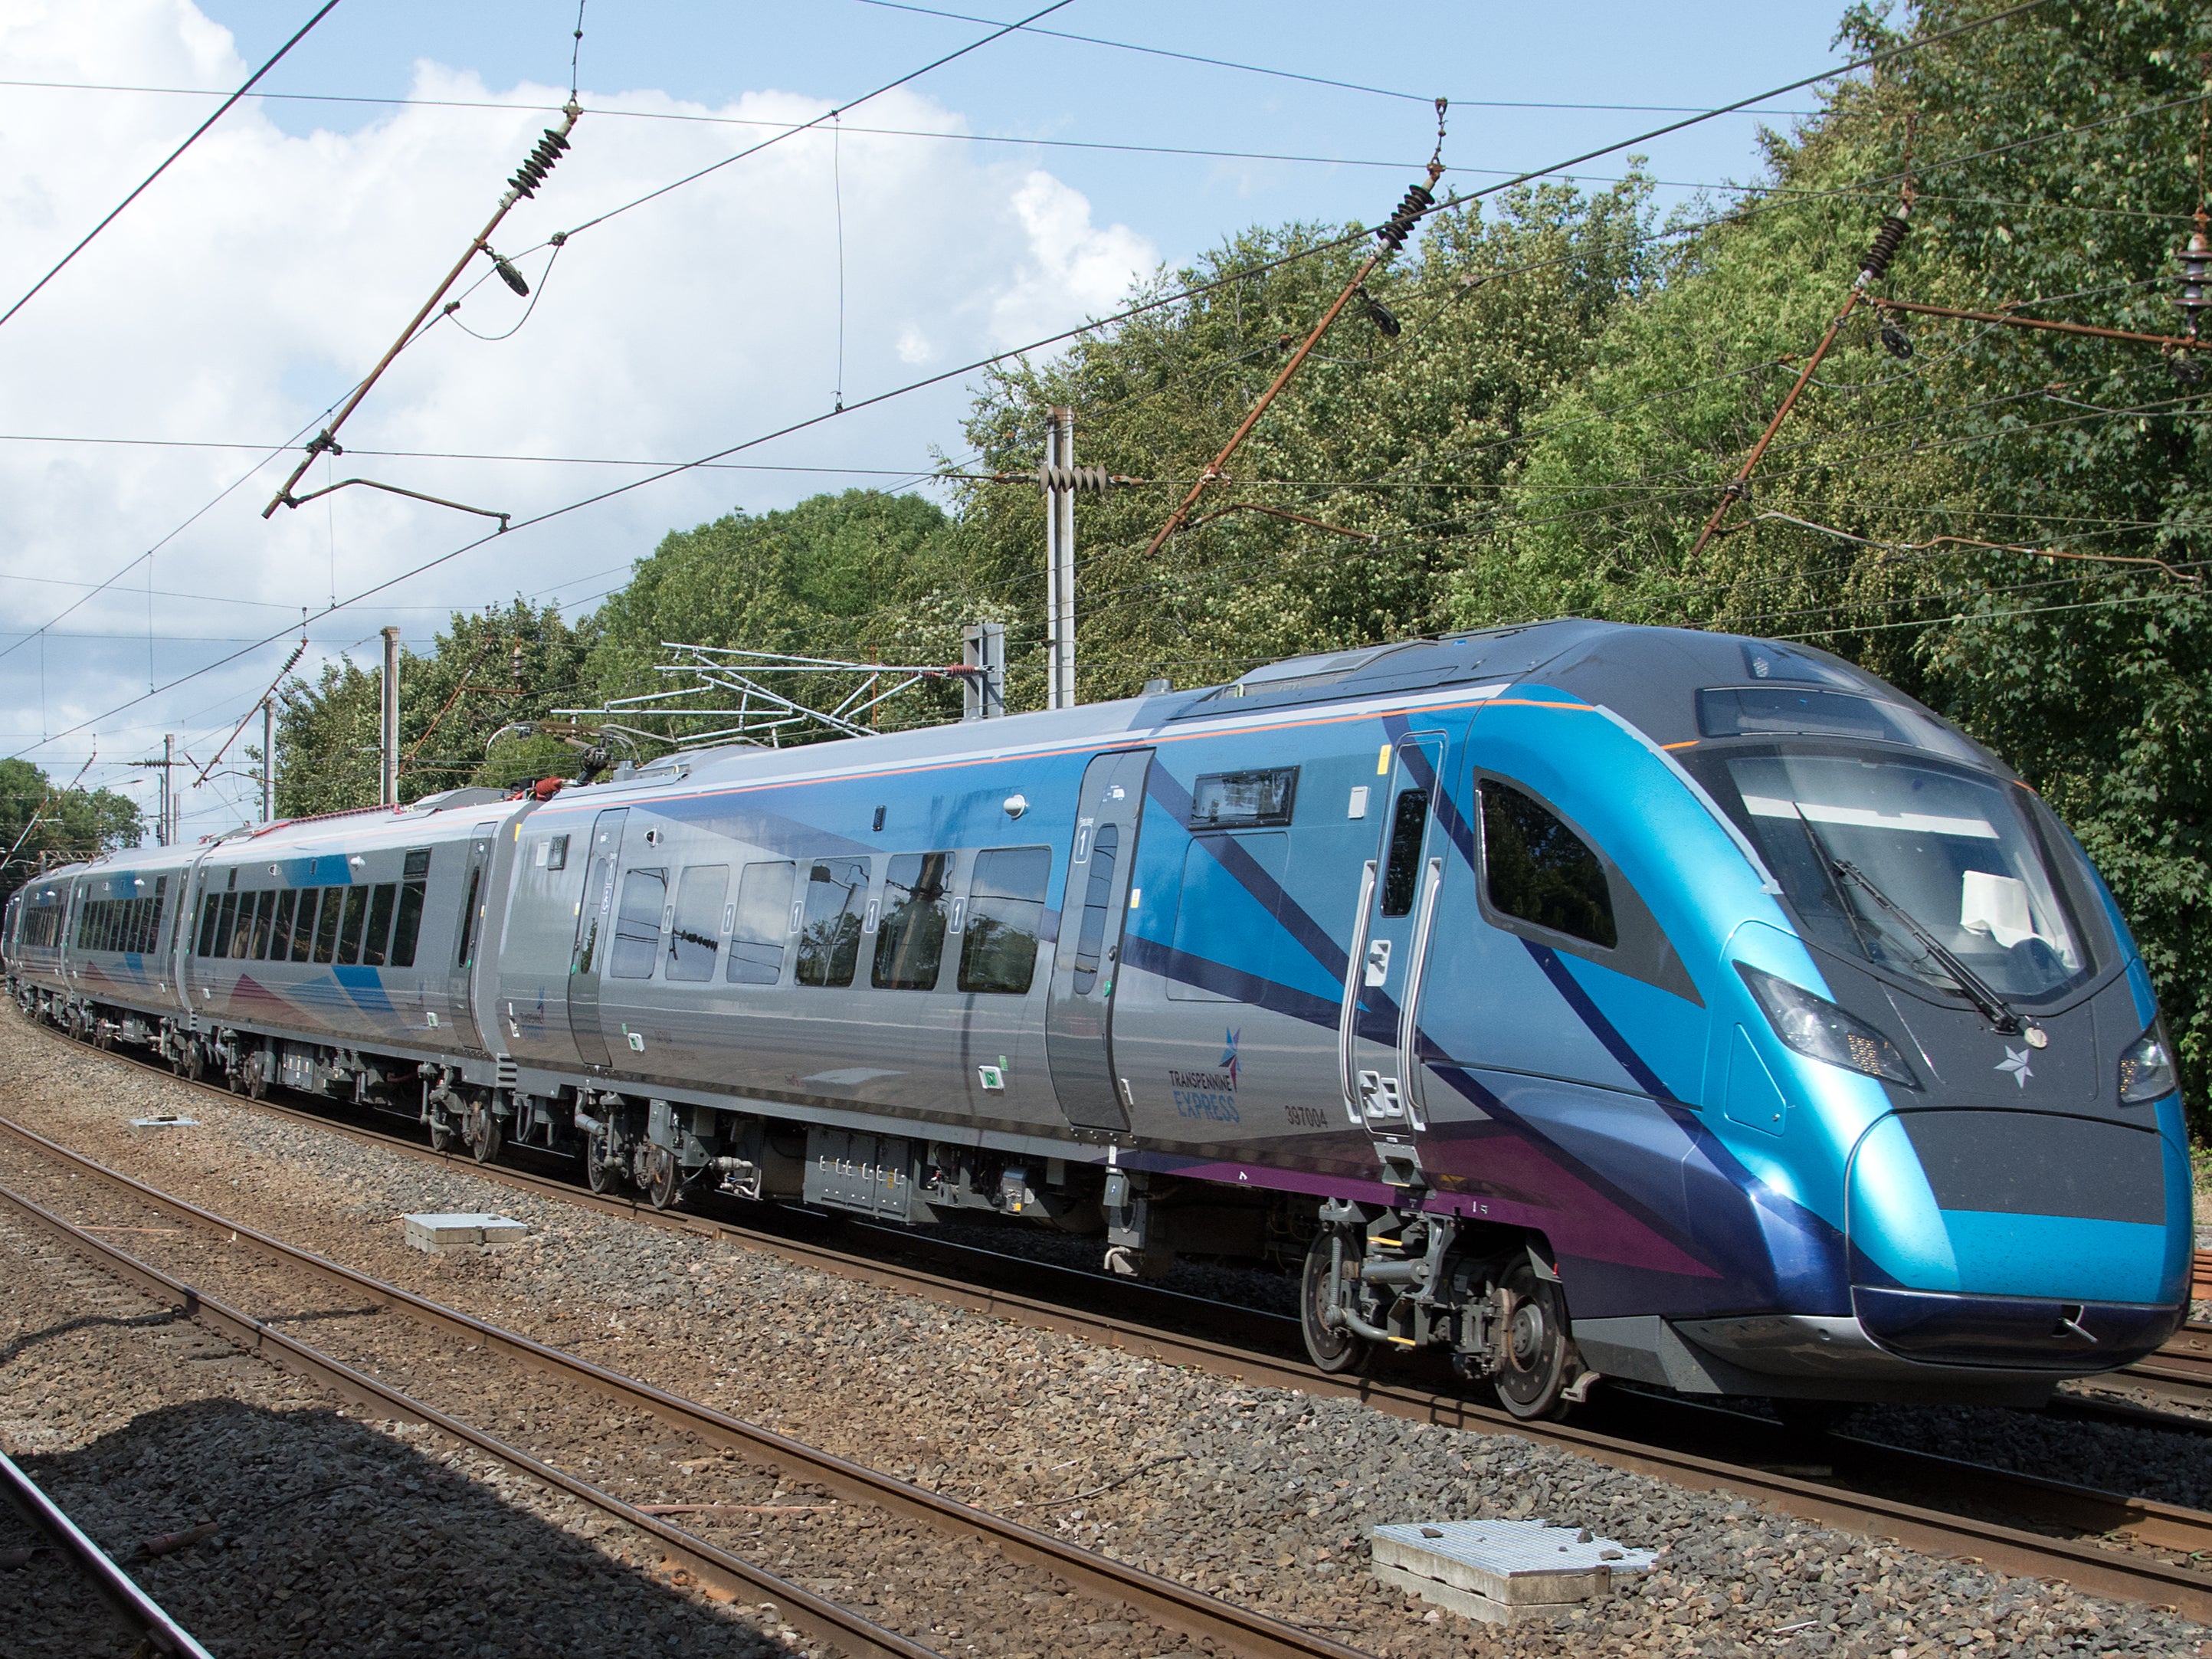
(1815, 1026)
(2146, 1067)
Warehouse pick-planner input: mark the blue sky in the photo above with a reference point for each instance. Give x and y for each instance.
(1034, 86)
(257, 279)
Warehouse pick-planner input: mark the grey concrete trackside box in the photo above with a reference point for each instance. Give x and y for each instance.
(464, 1230)
(1493, 1569)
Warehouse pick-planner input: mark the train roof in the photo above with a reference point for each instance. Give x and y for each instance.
(1649, 676)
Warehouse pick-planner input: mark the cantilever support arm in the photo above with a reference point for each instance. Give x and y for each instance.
(394, 489)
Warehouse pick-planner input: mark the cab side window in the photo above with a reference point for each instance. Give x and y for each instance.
(1536, 869)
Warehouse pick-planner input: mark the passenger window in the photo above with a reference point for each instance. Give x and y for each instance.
(326, 924)
(265, 913)
(762, 923)
(379, 925)
(910, 939)
(356, 912)
(1005, 911)
(462, 953)
(303, 926)
(1537, 870)
(280, 936)
(693, 939)
(227, 927)
(637, 924)
(1401, 868)
(1098, 900)
(407, 923)
(829, 931)
(210, 908)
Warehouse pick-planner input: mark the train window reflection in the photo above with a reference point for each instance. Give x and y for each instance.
(1098, 900)
(910, 939)
(829, 931)
(1402, 867)
(762, 923)
(696, 938)
(303, 929)
(1535, 869)
(1006, 912)
(356, 912)
(1956, 851)
(326, 924)
(280, 937)
(379, 925)
(637, 925)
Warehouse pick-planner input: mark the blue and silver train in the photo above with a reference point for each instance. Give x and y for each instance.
(1577, 999)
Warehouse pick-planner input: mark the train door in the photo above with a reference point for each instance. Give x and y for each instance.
(1080, 1009)
(1384, 1084)
(595, 921)
(469, 935)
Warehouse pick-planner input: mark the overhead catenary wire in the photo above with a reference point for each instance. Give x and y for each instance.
(190, 138)
(1866, 60)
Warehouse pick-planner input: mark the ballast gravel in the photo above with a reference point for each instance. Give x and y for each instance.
(1264, 1497)
(327, 1534)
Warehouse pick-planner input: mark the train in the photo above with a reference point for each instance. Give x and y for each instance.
(1569, 1001)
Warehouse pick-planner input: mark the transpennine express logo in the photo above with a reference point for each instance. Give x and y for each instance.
(1210, 1095)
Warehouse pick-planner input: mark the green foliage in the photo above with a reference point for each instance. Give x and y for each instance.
(1403, 439)
(43, 824)
(2087, 674)
(489, 669)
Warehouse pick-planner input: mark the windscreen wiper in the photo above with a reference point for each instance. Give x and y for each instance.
(1993, 1006)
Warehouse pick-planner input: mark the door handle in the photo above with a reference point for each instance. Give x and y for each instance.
(1409, 1006)
(1347, 1017)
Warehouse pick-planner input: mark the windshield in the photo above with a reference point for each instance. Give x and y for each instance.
(1954, 850)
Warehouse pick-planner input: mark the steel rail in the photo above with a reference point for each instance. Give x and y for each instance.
(1220, 1624)
(822, 1619)
(2012, 1549)
(163, 1634)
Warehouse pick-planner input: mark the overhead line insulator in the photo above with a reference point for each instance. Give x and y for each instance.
(540, 162)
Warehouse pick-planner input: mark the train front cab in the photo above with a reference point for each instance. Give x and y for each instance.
(1692, 1029)
(1965, 1029)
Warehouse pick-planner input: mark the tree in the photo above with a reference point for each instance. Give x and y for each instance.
(43, 824)
(2055, 156)
(1399, 428)
(487, 671)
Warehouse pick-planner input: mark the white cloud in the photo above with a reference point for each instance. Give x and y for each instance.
(264, 272)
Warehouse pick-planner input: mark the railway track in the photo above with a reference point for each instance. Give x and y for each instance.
(2105, 1542)
(144, 1618)
(1202, 1620)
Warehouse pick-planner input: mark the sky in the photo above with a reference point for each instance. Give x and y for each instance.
(148, 393)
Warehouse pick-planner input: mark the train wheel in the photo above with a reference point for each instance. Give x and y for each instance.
(599, 1174)
(663, 1179)
(441, 1132)
(257, 1078)
(1538, 1355)
(483, 1133)
(1332, 1350)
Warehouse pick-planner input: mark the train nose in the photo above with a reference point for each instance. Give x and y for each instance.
(2016, 1237)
